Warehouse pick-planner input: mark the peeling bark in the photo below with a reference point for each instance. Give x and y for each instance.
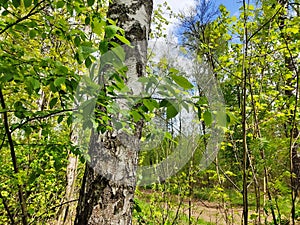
(108, 186)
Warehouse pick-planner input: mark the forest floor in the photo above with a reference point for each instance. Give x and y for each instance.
(213, 212)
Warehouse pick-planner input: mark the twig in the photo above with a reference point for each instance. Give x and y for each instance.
(265, 24)
(7, 209)
(32, 12)
(40, 117)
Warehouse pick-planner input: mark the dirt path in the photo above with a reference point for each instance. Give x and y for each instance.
(213, 212)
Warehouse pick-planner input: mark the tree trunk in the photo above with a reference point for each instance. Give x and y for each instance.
(291, 93)
(109, 182)
(244, 119)
(67, 211)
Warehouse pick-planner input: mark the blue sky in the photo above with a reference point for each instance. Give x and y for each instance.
(176, 5)
(183, 5)
(231, 5)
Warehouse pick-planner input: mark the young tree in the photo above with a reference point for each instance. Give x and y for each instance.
(108, 198)
(292, 96)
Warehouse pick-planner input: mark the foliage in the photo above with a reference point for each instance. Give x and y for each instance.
(47, 47)
(43, 45)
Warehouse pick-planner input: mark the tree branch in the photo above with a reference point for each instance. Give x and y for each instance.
(39, 117)
(265, 24)
(32, 12)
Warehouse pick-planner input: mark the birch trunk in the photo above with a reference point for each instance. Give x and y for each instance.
(107, 197)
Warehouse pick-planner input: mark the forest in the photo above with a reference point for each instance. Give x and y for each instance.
(108, 118)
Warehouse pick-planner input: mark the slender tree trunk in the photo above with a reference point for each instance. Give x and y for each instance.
(109, 182)
(244, 118)
(291, 93)
(67, 211)
(21, 195)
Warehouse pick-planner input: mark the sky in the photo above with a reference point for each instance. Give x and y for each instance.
(183, 5)
(176, 5)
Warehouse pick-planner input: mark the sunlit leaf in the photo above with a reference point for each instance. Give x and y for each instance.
(182, 82)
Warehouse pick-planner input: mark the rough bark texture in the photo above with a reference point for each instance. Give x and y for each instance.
(108, 186)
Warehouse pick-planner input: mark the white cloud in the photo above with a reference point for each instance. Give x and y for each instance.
(177, 6)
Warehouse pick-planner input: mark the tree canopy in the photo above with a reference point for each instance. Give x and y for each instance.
(230, 84)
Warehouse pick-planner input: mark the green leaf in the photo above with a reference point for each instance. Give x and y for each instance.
(34, 83)
(182, 82)
(27, 130)
(27, 3)
(4, 193)
(173, 71)
(32, 33)
(88, 62)
(7, 77)
(90, 2)
(98, 27)
(19, 110)
(122, 39)
(164, 103)
(119, 51)
(137, 206)
(52, 87)
(207, 117)
(171, 111)
(69, 120)
(53, 102)
(116, 124)
(168, 135)
(251, 7)
(77, 41)
(202, 101)
(87, 50)
(136, 116)
(103, 46)
(60, 4)
(60, 119)
(16, 3)
(110, 31)
(59, 81)
(5, 13)
(150, 104)
(87, 20)
(18, 105)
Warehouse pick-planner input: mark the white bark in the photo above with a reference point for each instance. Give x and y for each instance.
(109, 182)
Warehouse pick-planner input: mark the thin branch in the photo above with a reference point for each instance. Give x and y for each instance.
(228, 178)
(31, 13)
(7, 209)
(265, 24)
(3, 140)
(54, 207)
(39, 117)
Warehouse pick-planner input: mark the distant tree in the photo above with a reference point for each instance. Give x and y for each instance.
(196, 26)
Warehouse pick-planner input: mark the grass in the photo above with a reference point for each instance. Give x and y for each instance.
(151, 210)
(151, 214)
